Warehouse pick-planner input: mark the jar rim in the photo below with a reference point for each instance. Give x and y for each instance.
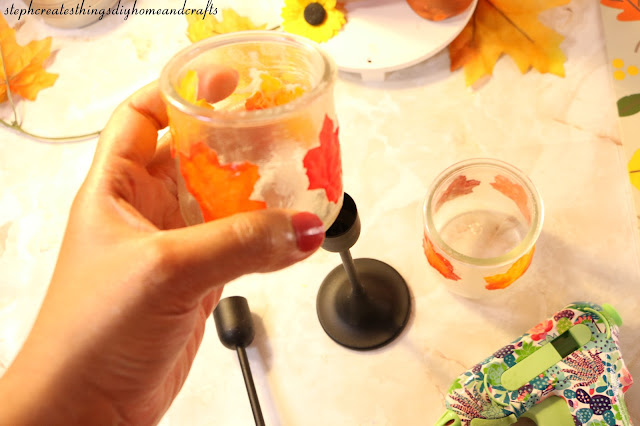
(242, 117)
(516, 252)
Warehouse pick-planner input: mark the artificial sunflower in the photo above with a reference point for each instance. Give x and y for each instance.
(318, 20)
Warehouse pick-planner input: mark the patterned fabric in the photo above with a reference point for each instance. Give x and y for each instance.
(591, 380)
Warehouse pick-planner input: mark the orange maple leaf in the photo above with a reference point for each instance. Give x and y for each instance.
(507, 27)
(22, 66)
(630, 9)
(272, 93)
(520, 266)
(514, 191)
(221, 190)
(438, 261)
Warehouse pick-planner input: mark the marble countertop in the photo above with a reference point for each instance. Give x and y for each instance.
(396, 136)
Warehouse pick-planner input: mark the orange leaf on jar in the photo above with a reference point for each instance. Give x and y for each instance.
(221, 190)
(437, 261)
(514, 191)
(22, 67)
(272, 93)
(501, 281)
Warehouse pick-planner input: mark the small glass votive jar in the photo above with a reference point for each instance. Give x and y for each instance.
(482, 218)
(234, 158)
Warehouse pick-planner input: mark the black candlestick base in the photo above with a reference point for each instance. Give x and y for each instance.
(365, 320)
(362, 304)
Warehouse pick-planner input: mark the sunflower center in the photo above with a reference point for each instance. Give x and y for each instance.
(314, 14)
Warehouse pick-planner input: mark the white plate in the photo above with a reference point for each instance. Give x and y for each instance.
(387, 35)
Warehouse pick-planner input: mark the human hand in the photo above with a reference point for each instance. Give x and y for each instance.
(132, 289)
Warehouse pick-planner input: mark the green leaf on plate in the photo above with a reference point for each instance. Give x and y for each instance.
(629, 105)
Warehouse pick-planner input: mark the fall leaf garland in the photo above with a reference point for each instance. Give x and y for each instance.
(22, 74)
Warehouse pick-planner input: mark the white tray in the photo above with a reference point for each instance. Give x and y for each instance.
(387, 35)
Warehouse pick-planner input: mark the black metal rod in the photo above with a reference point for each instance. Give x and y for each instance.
(350, 269)
(251, 389)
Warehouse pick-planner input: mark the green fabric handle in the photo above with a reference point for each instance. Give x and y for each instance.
(545, 357)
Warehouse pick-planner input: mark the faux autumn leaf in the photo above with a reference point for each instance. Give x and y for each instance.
(459, 186)
(22, 66)
(199, 28)
(500, 281)
(510, 27)
(188, 90)
(438, 261)
(272, 93)
(323, 165)
(630, 9)
(514, 191)
(221, 190)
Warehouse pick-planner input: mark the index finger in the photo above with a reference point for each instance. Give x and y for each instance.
(132, 130)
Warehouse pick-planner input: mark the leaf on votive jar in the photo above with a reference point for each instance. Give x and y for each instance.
(272, 93)
(630, 9)
(323, 165)
(459, 186)
(221, 190)
(437, 261)
(514, 191)
(520, 266)
(188, 89)
(200, 28)
(188, 86)
(22, 67)
(509, 27)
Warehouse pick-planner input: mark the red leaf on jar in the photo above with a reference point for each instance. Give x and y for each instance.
(323, 165)
(514, 191)
(459, 186)
(221, 190)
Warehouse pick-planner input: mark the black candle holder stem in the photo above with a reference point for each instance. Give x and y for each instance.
(235, 330)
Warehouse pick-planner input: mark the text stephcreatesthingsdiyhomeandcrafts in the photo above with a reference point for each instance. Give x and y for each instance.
(118, 10)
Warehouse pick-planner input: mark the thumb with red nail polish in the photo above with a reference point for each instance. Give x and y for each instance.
(216, 252)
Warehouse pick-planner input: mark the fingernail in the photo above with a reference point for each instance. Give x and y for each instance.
(309, 230)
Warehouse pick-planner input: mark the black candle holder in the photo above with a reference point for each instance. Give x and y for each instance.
(362, 304)
(235, 329)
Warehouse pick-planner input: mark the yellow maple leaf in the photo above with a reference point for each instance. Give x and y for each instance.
(200, 28)
(508, 27)
(22, 66)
